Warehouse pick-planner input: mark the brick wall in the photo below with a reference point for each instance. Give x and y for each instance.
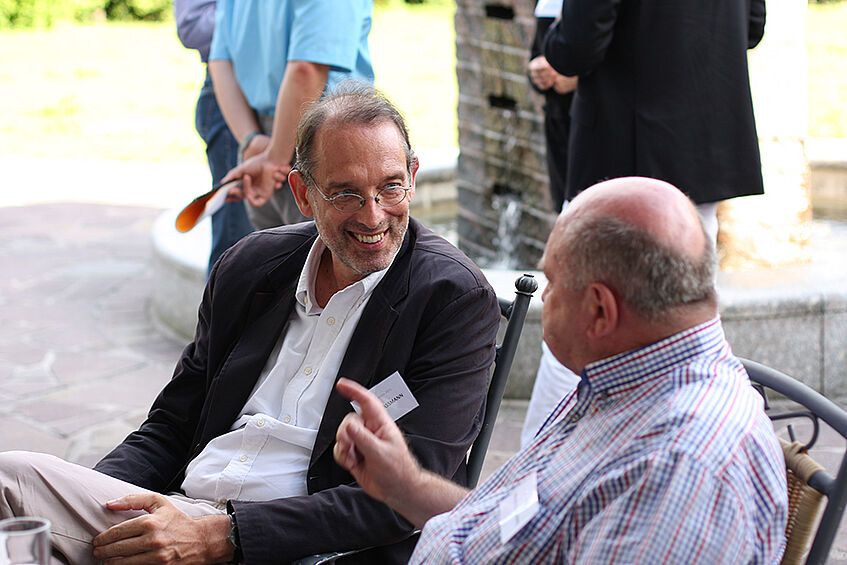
(501, 133)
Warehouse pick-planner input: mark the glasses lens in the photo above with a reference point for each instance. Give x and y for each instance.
(347, 202)
(391, 196)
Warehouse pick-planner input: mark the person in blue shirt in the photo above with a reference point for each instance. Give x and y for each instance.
(195, 22)
(268, 60)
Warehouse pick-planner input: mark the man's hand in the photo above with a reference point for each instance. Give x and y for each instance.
(260, 176)
(545, 77)
(373, 449)
(164, 535)
(563, 84)
(541, 73)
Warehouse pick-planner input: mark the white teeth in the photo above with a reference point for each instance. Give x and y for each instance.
(369, 238)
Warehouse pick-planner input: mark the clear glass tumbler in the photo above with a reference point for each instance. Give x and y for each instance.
(25, 541)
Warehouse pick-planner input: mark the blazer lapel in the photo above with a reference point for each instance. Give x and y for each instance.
(269, 309)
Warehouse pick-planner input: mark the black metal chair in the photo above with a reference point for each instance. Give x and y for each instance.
(808, 483)
(515, 314)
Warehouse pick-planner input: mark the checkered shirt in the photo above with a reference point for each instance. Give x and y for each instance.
(663, 455)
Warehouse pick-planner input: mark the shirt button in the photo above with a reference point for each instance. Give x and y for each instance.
(260, 423)
(330, 320)
(308, 371)
(573, 418)
(223, 501)
(287, 419)
(243, 458)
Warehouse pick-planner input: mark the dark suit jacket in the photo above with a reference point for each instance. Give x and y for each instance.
(433, 318)
(663, 92)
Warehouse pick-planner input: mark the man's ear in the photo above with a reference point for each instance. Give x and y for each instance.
(413, 168)
(299, 189)
(604, 310)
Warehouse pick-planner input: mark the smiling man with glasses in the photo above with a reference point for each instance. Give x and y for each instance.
(241, 439)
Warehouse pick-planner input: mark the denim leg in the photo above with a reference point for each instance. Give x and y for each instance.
(230, 223)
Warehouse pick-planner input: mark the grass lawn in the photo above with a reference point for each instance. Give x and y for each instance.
(826, 30)
(127, 91)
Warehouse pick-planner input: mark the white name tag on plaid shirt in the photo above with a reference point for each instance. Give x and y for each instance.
(394, 395)
(518, 507)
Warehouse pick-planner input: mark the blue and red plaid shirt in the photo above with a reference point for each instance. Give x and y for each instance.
(663, 455)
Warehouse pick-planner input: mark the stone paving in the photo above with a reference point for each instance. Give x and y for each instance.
(80, 358)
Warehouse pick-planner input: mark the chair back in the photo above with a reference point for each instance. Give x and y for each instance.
(515, 314)
(809, 485)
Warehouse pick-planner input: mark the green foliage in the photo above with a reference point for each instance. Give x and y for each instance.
(128, 10)
(36, 14)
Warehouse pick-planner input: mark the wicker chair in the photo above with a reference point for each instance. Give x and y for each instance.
(804, 502)
(810, 487)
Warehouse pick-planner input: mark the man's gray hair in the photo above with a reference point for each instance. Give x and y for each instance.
(650, 277)
(352, 102)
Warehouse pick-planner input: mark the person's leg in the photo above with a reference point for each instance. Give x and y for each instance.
(72, 497)
(557, 126)
(709, 216)
(230, 223)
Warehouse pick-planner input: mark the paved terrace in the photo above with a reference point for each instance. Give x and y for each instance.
(80, 358)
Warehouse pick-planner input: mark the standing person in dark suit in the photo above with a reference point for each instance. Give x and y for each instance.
(558, 94)
(663, 92)
(241, 438)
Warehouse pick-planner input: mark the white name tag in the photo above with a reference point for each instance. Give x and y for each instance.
(518, 507)
(394, 395)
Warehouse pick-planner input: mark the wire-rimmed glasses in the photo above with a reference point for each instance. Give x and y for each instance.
(350, 202)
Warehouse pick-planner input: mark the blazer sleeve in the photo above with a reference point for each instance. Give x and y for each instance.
(447, 371)
(756, 28)
(576, 44)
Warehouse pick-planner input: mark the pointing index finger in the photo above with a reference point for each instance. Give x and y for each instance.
(373, 412)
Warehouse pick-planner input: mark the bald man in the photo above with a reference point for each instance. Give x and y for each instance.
(663, 455)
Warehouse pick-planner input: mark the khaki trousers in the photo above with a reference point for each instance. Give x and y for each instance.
(73, 498)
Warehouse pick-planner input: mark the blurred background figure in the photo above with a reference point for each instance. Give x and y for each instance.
(558, 94)
(195, 23)
(663, 92)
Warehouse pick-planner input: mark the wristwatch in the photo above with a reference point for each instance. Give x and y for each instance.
(246, 142)
(234, 539)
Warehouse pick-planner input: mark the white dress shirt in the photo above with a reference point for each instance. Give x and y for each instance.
(266, 453)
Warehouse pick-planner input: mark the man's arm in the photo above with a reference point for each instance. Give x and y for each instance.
(195, 23)
(577, 43)
(302, 83)
(756, 28)
(373, 449)
(237, 112)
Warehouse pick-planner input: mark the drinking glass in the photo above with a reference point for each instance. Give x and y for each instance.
(25, 541)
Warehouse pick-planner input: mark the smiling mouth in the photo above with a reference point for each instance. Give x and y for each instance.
(370, 239)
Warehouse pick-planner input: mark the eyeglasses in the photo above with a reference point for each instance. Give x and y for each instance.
(350, 202)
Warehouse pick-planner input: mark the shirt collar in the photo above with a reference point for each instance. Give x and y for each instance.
(631, 369)
(305, 292)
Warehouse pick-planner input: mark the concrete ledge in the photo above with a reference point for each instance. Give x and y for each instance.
(794, 318)
(179, 273)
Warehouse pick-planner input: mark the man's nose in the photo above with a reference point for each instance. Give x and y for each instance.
(371, 214)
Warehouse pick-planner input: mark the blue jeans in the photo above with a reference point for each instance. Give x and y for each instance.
(230, 223)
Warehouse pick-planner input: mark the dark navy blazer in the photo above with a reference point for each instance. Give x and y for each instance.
(433, 318)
